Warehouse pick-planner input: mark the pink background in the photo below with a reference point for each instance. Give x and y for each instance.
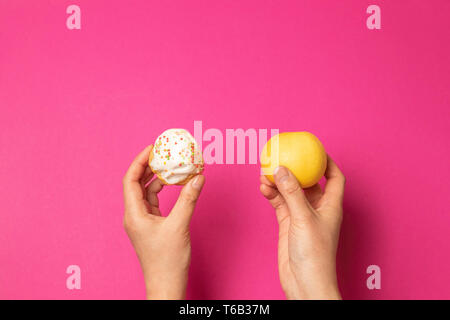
(77, 105)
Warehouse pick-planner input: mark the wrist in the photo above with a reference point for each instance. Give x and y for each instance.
(321, 290)
(330, 293)
(166, 288)
(165, 295)
(317, 283)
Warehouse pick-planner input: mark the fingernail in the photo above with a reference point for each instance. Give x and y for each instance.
(281, 174)
(197, 183)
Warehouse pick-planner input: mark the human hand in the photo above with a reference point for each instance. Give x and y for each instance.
(309, 224)
(162, 244)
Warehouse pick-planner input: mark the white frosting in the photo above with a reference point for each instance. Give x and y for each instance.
(176, 155)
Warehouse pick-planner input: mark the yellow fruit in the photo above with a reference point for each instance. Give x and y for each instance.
(300, 152)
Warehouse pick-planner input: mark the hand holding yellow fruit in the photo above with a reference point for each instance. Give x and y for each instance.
(300, 152)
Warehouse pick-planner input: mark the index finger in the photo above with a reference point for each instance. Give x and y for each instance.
(132, 188)
(334, 188)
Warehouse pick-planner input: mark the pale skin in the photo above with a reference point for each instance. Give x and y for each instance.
(162, 244)
(309, 224)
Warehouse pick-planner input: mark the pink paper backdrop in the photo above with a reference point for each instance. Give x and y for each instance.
(77, 105)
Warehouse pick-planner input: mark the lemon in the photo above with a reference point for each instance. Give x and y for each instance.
(300, 152)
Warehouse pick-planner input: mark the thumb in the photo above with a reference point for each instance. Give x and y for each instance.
(290, 189)
(185, 205)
